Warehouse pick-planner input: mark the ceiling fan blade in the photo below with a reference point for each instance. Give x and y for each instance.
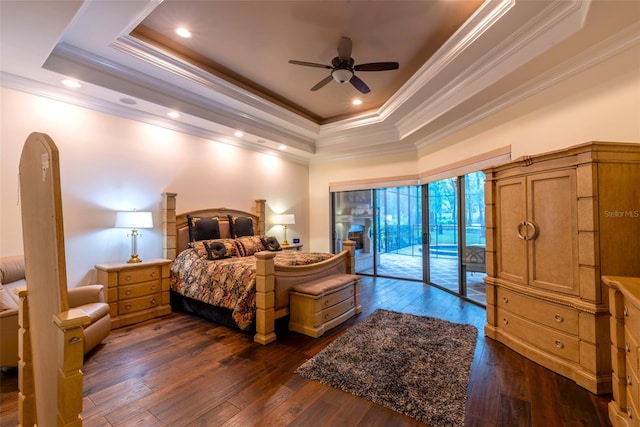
(377, 66)
(344, 49)
(310, 64)
(322, 83)
(359, 84)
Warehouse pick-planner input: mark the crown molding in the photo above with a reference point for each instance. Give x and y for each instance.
(554, 23)
(606, 49)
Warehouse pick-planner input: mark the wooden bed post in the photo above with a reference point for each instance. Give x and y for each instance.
(351, 261)
(260, 212)
(265, 298)
(169, 231)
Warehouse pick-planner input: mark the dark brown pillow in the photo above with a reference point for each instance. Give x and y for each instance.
(203, 228)
(216, 250)
(271, 243)
(240, 226)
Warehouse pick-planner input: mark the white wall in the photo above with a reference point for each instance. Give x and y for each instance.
(599, 104)
(109, 164)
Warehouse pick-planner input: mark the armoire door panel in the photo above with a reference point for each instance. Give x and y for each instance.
(553, 253)
(511, 211)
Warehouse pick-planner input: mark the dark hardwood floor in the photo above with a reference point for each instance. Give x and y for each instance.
(184, 371)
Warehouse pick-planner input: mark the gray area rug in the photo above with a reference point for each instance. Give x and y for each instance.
(418, 366)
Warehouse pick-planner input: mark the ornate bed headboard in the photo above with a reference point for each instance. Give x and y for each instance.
(176, 231)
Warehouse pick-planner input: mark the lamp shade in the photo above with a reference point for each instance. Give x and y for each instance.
(134, 219)
(284, 219)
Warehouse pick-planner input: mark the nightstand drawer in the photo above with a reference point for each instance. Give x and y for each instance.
(139, 275)
(138, 290)
(138, 304)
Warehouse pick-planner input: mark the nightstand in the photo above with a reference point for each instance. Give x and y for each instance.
(136, 292)
(292, 247)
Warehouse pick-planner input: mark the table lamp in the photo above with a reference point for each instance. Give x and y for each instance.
(285, 220)
(134, 220)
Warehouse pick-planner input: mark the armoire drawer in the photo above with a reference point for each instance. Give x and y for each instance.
(631, 349)
(547, 339)
(549, 314)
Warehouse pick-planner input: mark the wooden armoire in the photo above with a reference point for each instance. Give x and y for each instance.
(556, 223)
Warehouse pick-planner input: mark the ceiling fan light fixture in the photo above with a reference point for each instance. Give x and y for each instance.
(342, 75)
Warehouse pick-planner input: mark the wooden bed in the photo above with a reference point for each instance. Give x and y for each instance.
(272, 282)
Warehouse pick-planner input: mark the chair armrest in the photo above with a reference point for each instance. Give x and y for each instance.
(85, 295)
(8, 313)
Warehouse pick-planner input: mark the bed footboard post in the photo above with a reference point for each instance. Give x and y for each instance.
(265, 298)
(351, 260)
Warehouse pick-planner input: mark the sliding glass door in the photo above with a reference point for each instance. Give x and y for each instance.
(386, 225)
(456, 238)
(443, 240)
(433, 233)
(399, 232)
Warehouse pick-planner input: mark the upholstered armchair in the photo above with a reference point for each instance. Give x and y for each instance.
(90, 299)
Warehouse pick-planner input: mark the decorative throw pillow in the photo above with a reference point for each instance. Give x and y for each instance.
(203, 228)
(249, 245)
(271, 243)
(240, 226)
(215, 249)
(231, 247)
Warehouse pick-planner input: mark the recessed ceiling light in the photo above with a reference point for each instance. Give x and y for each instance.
(71, 83)
(183, 32)
(173, 114)
(357, 102)
(282, 147)
(238, 134)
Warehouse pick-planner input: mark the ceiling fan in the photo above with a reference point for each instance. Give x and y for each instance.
(343, 69)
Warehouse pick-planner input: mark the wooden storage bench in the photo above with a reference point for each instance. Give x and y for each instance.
(319, 305)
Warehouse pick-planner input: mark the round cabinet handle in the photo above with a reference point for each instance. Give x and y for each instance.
(127, 278)
(534, 230)
(558, 318)
(326, 302)
(527, 235)
(326, 316)
(559, 344)
(128, 292)
(626, 311)
(128, 306)
(629, 411)
(505, 300)
(628, 379)
(505, 321)
(153, 287)
(627, 347)
(153, 301)
(519, 227)
(153, 274)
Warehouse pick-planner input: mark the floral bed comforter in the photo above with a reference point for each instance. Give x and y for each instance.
(229, 282)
